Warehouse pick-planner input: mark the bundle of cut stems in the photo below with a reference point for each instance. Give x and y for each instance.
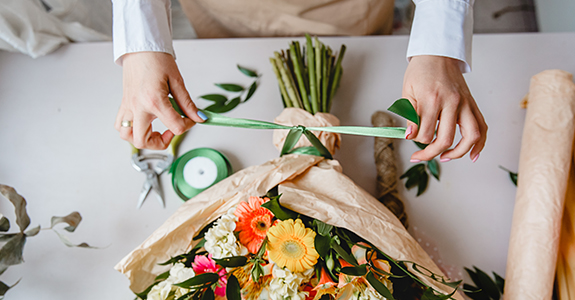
(308, 76)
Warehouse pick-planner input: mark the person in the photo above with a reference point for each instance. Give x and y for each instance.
(439, 52)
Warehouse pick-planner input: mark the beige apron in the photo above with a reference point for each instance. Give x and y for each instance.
(261, 18)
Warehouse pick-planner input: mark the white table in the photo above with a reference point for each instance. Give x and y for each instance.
(59, 148)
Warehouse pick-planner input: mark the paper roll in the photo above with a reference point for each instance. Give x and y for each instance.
(544, 168)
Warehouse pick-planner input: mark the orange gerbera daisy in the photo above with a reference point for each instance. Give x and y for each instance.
(253, 222)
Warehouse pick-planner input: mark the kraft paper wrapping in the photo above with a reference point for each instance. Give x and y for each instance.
(544, 168)
(309, 185)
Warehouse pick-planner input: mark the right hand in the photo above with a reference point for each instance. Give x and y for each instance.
(148, 79)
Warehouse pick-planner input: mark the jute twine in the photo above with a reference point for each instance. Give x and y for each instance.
(387, 177)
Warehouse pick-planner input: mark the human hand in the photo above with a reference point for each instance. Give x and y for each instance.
(437, 90)
(148, 79)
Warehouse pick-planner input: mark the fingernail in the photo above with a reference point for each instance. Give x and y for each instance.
(476, 158)
(408, 131)
(202, 115)
(445, 159)
(415, 160)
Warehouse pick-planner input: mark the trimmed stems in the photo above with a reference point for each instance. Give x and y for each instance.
(308, 78)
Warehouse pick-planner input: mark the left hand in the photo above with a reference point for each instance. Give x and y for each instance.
(439, 93)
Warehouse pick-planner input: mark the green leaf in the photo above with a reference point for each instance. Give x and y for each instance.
(257, 271)
(201, 279)
(144, 293)
(163, 276)
(279, 211)
(32, 232)
(513, 176)
(322, 228)
(4, 288)
(251, 91)
(230, 105)
(360, 270)
(422, 185)
(405, 109)
(230, 87)
(499, 281)
(341, 252)
(416, 169)
(487, 284)
(73, 220)
(412, 180)
(379, 286)
(247, 72)
(176, 107)
(217, 98)
(22, 218)
(433, 168)
(322, 245)
(208, 294)
(4, 224)
(202, 232)
(428, 294)
(232, 262)
(215, 108)
(11, 252)
(233, 289)
(421, 145)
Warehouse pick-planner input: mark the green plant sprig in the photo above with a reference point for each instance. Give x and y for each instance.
(512, 175)
(418, 175)
(485, 288)
(221, 103)
(308, 76)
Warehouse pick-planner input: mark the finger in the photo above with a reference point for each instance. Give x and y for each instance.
(474, 154)
(470, 135)
(182, 97)
(125, 131)
(411, 128)
(427, 123)
(445, 135)
(144, 137)
(174, 121)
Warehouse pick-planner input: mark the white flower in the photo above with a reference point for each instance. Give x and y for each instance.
(178, 273)
(285, 285)
(220, 239)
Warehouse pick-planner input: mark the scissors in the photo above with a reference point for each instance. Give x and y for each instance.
(144, 164)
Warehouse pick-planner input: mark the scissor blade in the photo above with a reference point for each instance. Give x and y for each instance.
(144, 193)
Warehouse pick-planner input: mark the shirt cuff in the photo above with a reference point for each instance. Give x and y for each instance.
(141, 25)
(443, 28)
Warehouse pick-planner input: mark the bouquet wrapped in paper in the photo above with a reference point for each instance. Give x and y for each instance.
(293, 227)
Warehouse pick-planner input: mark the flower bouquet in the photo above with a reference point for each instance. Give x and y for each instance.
(294, 228)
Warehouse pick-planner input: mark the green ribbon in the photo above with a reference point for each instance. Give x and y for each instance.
(181, 186)
(401, 107)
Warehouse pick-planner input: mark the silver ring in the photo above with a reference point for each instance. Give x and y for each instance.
(126, 123)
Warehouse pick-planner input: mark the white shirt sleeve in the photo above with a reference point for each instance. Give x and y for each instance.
(443, 28)
(141, 25)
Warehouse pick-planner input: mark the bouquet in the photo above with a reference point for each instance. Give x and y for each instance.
(294, 227)
(262, 250)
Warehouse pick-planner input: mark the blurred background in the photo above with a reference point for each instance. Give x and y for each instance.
(63, 21)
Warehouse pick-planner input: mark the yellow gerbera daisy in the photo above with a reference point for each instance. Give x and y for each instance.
(291, 245)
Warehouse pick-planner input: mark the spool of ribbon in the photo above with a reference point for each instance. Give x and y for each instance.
(197, 170)
(401, 107)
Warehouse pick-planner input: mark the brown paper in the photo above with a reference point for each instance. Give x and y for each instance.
(259, 18)
(309, 185)
(544, 167)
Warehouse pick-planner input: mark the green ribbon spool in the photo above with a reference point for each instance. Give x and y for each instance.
(197, 170)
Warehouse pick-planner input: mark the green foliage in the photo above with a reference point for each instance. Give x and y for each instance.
(232, 262)
(221, 103)
(199, 281)
(484, 287)
(233, 289)
(279, 211)
(418, 175)
(405, 109)
(513, 176)
(379, 286)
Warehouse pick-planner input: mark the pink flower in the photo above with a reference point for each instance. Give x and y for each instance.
(205, 264)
